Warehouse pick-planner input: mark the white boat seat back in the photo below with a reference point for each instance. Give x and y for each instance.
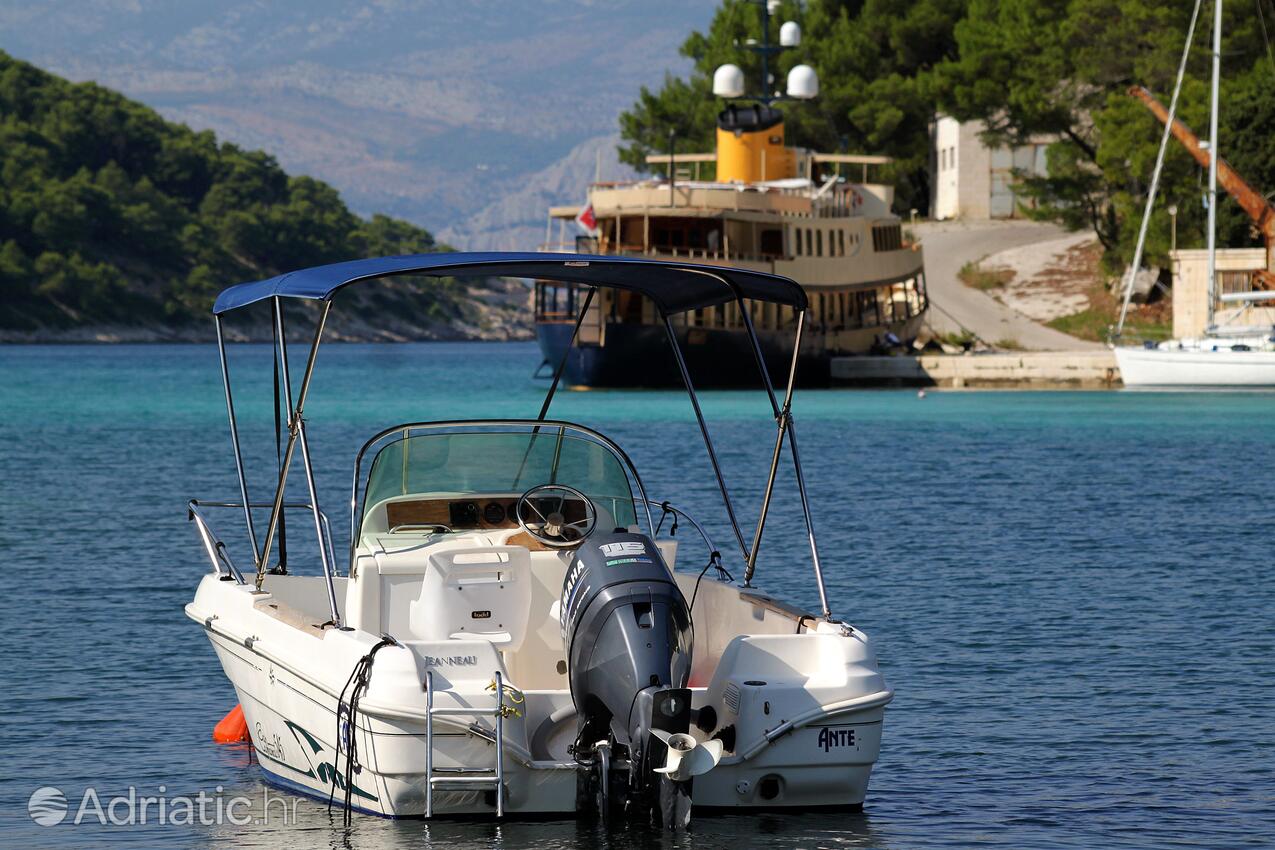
(475, 593)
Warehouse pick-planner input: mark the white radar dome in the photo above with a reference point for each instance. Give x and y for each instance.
(790, 34)
(803, 83)
(728, 81)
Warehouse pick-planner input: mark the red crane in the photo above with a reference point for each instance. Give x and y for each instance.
(1260, 210)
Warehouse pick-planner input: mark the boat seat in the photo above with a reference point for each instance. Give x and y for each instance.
(474, 593)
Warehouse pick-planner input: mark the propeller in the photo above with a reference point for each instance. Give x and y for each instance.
(686, 756)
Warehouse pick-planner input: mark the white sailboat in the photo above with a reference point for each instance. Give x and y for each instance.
(1227, 356)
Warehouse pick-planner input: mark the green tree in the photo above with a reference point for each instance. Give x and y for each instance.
(16, 274)
(1064, 69)
(874, 61)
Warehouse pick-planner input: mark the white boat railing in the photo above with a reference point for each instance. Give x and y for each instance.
(222, 563)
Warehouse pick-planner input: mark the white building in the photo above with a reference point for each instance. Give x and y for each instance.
(970, 180)
(1235, 267)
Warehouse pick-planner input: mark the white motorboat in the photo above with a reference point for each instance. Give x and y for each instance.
(510, 634)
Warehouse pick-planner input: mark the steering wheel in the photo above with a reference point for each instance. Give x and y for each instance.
(550, 527)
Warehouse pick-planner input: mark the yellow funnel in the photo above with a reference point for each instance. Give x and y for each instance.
(750, 146)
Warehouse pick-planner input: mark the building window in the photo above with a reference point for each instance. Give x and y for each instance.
(818, 243)
(797, 230)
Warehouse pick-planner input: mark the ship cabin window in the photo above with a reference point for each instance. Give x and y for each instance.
(810, 242)
(818, 243)
(866, 302)
(555, 302)
(686, 236)
(872, 307)
(841, 243)
(771, 243)
(797, 231)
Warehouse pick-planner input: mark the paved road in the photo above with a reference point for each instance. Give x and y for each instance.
(955, 306)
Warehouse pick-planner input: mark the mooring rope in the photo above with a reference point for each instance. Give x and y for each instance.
(354, 686)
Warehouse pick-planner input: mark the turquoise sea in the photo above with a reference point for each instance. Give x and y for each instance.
(1071, 593)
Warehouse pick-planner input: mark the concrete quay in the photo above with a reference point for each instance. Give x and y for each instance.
(1025, 370)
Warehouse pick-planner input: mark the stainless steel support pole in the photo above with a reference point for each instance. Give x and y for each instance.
(810, 526)
(562, 364)
(708, 441)
(293, 434)
(782, 420)
(757, 354)
(296, 428)
(801, 478)
(234, 441)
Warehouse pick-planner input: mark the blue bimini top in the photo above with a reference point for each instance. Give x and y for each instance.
(674, 287)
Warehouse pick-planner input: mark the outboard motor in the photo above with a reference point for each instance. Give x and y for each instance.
(628, 638)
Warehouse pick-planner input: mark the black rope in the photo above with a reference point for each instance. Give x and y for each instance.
(355, 686)
(714, 560)
(667, 509)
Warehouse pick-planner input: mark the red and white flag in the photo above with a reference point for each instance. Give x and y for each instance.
(587, 220)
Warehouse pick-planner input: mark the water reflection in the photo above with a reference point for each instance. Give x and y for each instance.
(317, 827)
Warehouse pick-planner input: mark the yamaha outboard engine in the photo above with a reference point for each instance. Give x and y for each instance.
(627, 633)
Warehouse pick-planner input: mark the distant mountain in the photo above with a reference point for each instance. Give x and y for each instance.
(516, 219)
(117, 224)
(437, 111)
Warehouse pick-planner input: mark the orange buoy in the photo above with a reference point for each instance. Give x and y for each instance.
(232, 729)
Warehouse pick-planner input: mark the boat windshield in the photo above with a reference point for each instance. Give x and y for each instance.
(488, 463)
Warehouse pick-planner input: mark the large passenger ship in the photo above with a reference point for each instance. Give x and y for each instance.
(768, 208)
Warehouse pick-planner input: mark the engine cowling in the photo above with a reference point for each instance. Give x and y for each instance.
(628, 637)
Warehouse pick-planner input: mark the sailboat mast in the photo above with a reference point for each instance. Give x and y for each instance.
(1213, 157)
(1155, 175)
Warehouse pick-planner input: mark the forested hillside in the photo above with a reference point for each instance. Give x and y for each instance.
(111, 215)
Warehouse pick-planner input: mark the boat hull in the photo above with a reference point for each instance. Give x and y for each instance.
(638, 355)
(802, 743)
(1154, 368)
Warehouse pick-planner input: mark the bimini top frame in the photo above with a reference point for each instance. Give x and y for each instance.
(673, 287)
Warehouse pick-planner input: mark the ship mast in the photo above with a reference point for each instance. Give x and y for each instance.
(1169, 128)
(803, 84)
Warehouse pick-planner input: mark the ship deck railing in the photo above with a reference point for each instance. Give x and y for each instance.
(662, 251)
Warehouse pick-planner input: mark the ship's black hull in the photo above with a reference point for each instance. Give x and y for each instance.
(636, 355)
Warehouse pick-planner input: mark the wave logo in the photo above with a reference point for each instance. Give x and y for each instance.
(47, 806)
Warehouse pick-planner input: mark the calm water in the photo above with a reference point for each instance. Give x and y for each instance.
(1071, 592)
